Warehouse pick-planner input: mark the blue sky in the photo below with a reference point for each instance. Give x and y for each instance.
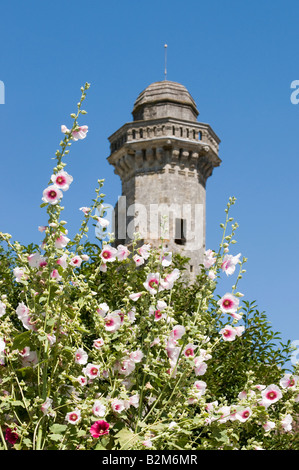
(237, 59)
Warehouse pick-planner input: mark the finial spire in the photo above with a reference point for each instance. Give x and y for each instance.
(165, 70)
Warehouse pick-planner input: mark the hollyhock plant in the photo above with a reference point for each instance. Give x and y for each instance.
(108, 254)
(144, 251)
(62, 180)
(81, 356)
(139, 260)
(79, 133)
(209, 259)
(76, 261)
(52, 194)
(61, 241)
(289, 381)
(73, 417)
(110, 356)
(228, 333)
(91, 371)
(102, 309)
(271, 395)
(243, 415)
(228, 303)
(122, 252)
(99, 428)
(63, 261)
(152, 283)
(11, 436)
(229, 263)
(99, 409)
(112, 321)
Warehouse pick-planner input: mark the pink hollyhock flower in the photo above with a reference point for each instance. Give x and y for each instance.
(144, 250)
(228, 303)
(138, 260)
(112, 321)
(122, 252)
(103, 309)
(51, 339)
(135, 296)
(189, 350)
(103, 268)
(170, 279)
(239, 330)
(62, 261)
(132, 315)
(243, 415)
(117, 405)
(134, 400)
(200, 387)
(82, 380)
(22, 312)
(147, 443)
(64, 129)
(177, 332)
(211, 406)
(126, 366)
(271, 394)
(166, 259)
(19, 274)
(30, 359)
(98, 343)
(91, 371)
(2, 309)
(33, 260)
(228, 333)
(211, 275)
(286, 423)
(62, 180)
(289, 381)
(55, 275)
(61, 241)
(229, 263)
(52, 194)
(99, 409)
(11, 436)
(85, 210)
(103, 222)
(99, 429)
(209, 259)
(76, 261)
(46, 406)
(152, 283)
(73, 417)
(42, 228)
(80, 133)
(225, 414)
(200, 366)
(136, 356)
(268, 426)
(108, 254)
(81, 356)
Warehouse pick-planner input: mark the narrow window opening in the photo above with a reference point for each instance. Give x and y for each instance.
(180, 231)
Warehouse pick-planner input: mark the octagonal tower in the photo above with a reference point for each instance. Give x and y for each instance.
(164, 158)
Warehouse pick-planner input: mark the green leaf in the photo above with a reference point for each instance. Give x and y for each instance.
(22, 340)
(126, 438)
(58, 428)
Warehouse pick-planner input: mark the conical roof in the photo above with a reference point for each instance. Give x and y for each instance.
(165, 99)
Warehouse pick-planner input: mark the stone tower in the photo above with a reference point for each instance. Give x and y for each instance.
(164, 157)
